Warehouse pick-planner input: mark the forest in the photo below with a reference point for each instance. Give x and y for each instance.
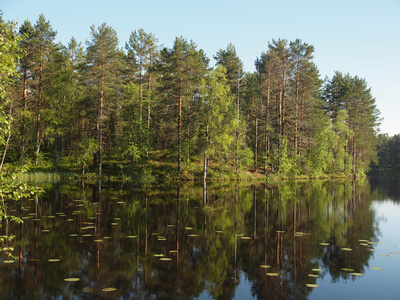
(147, 109)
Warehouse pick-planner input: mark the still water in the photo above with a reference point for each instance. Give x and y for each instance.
(292, 240)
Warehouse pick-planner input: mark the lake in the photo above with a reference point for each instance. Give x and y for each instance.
(288, 240)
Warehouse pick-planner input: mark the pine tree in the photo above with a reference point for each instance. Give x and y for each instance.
(103, 69)
(181, 69)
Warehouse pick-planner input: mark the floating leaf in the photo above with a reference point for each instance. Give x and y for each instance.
(383, 255)
(72, 279)
(374, 268)
(70, 220)
(9, 261)
(394, 252)
(363, 241)
(364, 244)
(347, 269)
(317, 270)
(273, 274)
(107, 237)
(357, 274)
(313, 275)
(218, 231)
(171, 225)
(245, 238)
(280, 231)
(45, 230)
(189, 228)
(265, 266)
(73, 234)
(165, 259)
(87, 235)
(347, 249)
(114, 224)
(98, 241)
(131, 236)
(193, 235)
(109, 289)
(54, 260)
(173, 251)
(161, 239)
(312, 285)
(324, 244)
(158, 255)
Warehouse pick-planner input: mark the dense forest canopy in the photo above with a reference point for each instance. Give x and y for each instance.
(77, 107)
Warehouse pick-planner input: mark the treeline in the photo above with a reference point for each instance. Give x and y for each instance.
(78, 107)
(388, 151)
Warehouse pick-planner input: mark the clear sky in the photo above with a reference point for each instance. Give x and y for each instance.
(360, 37)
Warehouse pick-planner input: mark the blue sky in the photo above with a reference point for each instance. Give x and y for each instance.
(360, 37)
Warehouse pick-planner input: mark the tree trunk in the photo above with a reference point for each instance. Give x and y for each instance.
(256, 145)
(180, 126)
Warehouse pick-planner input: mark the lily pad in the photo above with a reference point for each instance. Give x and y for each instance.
(347, 249)
(72, 279)
(313, 275)
(131, 236)
(54, 260)
(374, 268)
(383, 255)
(357, 274)
(245, 238)
(165, 259)
(394, 252)
(273, 274)
(324, 244)
(265, 266)
(109, 289)
(9, 261)
(347, 269)
(317, 270)
(312, 285)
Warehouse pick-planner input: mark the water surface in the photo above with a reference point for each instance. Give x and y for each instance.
(293, 240)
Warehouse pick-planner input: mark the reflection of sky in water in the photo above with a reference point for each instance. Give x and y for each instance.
(375, 284)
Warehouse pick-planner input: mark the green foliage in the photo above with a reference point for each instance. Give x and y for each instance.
(72, 106)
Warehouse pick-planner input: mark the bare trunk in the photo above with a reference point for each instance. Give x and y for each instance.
(180, 126)
(256, 145)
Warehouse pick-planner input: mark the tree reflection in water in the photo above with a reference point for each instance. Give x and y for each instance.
(190, 241)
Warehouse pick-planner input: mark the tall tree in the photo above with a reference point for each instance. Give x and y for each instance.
(142, 52)
(26, 44)
(8, 70)
(103, 69)
(220, 124)
(234, 75)
(44, 48)
(344, 92)
(181, 68)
